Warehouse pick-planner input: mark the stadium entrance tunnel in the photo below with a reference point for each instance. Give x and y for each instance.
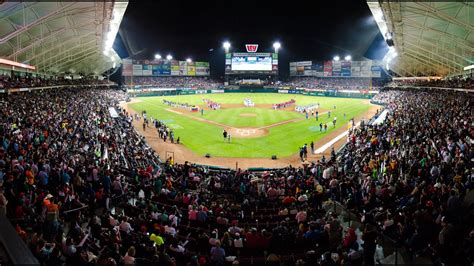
(247, 132)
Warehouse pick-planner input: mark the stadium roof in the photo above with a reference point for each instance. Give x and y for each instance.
(430, 37)
(59, 37)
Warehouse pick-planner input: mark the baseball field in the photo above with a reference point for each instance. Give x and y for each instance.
(256, 132)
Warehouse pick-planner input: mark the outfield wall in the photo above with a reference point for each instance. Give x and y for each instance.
(308, 92)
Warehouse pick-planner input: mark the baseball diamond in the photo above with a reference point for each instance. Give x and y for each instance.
(256, 132)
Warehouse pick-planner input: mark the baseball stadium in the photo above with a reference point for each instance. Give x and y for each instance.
(219, 133)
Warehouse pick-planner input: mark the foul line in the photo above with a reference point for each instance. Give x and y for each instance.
(331, 142)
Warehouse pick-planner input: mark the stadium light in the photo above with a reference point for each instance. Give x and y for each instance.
(348, 58)
(277, 46)
(226, 46)
(157, 56)
(336, 58)
(169, 57)
(189, 60)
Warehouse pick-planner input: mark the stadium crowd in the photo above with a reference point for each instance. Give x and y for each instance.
(329, 83)
(7, 82)
(467, 83)
(84, 188)
(176, 82)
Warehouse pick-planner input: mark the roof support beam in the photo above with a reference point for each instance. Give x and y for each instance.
(432, 43)
(75, 61)
(445, 17)
(455, 39)
(404, 67)
(54, 47)
(35, 43)
(433, 54)
(35, 23)
(424, 60)
(72, 48)
(52, 34)
(436, 65)
(69, 57)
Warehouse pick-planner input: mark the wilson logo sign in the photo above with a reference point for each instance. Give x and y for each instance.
(251, 48)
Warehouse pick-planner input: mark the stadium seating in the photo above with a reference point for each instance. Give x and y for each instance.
(333, 83)
(84, 188)
(175, 82)
(7, 82)
(467, 83)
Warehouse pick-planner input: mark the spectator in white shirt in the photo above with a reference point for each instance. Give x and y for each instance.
(125, 226)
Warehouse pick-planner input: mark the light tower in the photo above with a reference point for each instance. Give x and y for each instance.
(226, 46)
(277, 46)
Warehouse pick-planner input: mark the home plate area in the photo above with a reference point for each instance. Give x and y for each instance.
(246, 132)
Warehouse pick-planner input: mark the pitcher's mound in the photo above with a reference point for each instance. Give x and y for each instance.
(248, 115)
(247, 132)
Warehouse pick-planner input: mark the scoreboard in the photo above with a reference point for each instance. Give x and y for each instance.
(251, 63)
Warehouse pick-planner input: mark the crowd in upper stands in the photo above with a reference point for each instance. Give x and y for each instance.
(330, 83)
(467, 83)
(7, 82)
(175, 82)
(84, 188)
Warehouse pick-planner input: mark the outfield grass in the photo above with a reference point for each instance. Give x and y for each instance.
(282, 140)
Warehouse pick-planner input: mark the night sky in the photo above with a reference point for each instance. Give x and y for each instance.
(307, 30)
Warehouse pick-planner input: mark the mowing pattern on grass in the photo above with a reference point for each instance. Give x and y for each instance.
(286, 130)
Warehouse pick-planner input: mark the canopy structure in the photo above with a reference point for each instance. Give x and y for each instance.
(430, 38)
(58, 37)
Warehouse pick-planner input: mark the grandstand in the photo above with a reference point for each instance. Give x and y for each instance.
(94, 175)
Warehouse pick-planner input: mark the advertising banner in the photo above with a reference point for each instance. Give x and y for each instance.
(183, 70)
(202, 71)
(127, 69)
(174, 70)
(346, 68)
(300, 70)
(327, 66)
(137, 72)
(166, 69)
(191, 70)
(304, 63)
(137, 67)
(156, 70)
(355, 71)
(317, 67)
(147, 70)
